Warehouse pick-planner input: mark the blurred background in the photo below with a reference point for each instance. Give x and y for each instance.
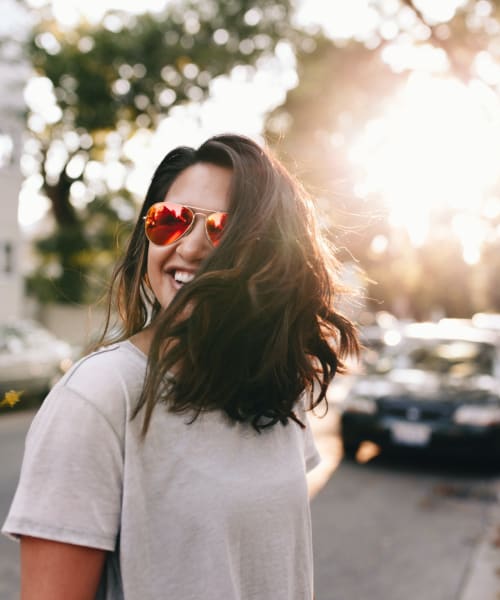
(388, 111)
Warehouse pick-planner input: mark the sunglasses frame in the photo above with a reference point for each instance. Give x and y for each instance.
(195, 210)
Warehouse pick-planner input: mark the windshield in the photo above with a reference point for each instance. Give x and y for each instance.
(458, 358)
(377, 357)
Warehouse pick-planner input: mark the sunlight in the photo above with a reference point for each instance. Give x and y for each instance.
(434, 150)
(32, 204)
(238, 101)
(40, 99)
(439, 12)
(360, 19)
(404, 55)
(70, 12)
(340, 19)
(472, 231)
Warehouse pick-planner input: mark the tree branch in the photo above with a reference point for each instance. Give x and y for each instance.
(459, 69)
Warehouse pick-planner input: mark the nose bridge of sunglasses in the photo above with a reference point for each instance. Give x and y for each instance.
(205, 223)
(199, 221)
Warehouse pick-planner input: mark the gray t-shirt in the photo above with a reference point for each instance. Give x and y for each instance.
(208, 510)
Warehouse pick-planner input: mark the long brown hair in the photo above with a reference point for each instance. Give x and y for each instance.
(261, 326)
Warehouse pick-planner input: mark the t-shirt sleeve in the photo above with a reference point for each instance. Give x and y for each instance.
(312, 456)
(70, 486)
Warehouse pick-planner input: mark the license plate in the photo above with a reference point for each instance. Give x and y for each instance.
(410, 434)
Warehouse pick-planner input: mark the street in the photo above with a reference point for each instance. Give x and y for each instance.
(13, 429)
(389, 529)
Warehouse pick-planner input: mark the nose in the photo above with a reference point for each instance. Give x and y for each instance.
(194, 246)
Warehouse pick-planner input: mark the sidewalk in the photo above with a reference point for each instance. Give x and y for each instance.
(482, 582)
(482, 579)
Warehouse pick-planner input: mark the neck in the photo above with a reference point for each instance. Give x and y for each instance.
(142, 339)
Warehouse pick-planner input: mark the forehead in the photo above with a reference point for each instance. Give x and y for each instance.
(204, 185)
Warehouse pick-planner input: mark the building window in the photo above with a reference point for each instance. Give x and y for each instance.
(6, 259)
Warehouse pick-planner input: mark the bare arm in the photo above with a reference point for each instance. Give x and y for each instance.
(57, 571)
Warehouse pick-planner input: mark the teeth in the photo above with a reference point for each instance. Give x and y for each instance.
(183, 276)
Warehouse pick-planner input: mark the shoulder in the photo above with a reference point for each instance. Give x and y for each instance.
(116, 361)
(110, 380)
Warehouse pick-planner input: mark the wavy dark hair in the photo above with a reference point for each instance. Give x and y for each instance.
(261, 327)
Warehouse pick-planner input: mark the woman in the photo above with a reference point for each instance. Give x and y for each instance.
(171, 463)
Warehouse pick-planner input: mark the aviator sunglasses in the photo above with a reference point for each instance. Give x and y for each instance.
(167, 222)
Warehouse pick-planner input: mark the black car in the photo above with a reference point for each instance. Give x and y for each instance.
(436, 387)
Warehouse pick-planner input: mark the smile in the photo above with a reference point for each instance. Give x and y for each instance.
(182, 277)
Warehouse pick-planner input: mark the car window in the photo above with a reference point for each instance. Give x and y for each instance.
(16, 339)
(452, 357)
(377, 358)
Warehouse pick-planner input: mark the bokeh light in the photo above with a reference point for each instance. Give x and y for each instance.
(435, 149)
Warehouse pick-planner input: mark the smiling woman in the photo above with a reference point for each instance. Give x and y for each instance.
(186, 441)
(171, 266)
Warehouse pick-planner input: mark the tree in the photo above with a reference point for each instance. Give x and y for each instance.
(345, 83)
(105, 83)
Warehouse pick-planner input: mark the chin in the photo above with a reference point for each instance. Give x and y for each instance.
(165, 302)
(164, 293)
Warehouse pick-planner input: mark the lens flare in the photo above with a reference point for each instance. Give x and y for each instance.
(433, 151)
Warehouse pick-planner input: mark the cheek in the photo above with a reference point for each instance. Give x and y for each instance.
(157, 262)
(149, 261)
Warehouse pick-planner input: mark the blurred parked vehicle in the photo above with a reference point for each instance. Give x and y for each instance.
(31, 358)
(489, 321)
(436, 388)
(377, 332)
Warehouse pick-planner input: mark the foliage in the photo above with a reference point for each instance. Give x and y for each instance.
(77, 258)
(109, 82)
(343, 84)
(10, 398)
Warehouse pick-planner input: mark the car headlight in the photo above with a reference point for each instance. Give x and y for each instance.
(358, 404)
(477, 415)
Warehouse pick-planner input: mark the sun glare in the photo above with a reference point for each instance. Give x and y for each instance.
(70, 12)
(338, 18)
(435, 149)
(238, 102)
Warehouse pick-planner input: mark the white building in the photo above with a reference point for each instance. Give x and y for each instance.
(11, 123)
(13, 73)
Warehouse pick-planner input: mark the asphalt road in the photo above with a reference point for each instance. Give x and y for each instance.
(395, 529)
(13, 429)
(384, 530)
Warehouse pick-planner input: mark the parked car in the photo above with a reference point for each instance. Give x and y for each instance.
(31, 358)
(437, 389)
(489, 321)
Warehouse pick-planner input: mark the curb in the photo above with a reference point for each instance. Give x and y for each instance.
(482, 582)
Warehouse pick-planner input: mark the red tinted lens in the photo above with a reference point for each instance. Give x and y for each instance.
(215, 224)
(166, 222)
